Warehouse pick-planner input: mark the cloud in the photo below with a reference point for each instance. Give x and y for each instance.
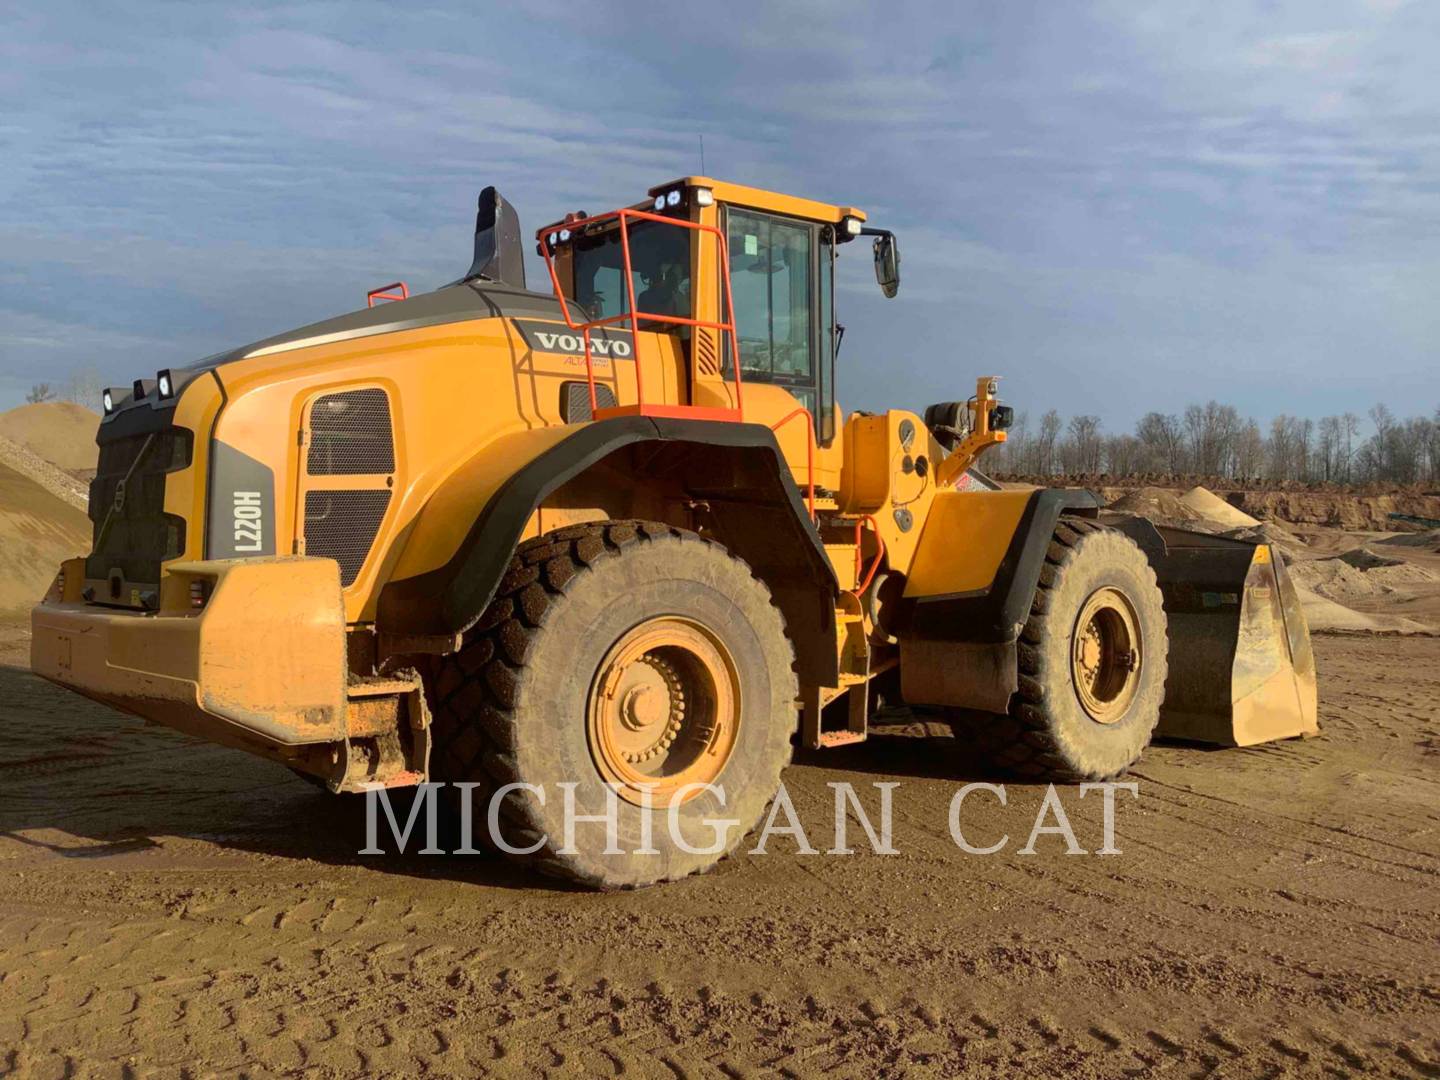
(1111, 203)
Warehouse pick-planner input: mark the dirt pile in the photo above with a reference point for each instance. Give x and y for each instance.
(1212, 507)
(1368, 512)
(1325, 615)
(1160, 506)
(1347, 578)
(61, 432)
(37, 531)
(1429, 539)
(52, 478)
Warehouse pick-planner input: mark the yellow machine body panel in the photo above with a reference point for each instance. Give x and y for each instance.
(966, 536)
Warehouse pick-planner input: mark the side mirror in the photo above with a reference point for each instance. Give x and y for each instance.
(887, 264)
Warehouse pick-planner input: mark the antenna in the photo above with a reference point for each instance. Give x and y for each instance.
(702, 155)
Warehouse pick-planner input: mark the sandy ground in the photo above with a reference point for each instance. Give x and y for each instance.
(172, 908)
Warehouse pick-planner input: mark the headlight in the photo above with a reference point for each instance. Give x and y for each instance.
(107, 399)
(659, 202)
(852, 226)
(165, 383)
(704, 196)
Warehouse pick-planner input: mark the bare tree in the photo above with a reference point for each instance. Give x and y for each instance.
(1250, 451)
(41, 391)
(84, 386)
(1160, 434)
(1211, 430)
(1084, 447)
(1045, 443)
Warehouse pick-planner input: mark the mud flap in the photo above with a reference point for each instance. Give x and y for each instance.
(1241, 668)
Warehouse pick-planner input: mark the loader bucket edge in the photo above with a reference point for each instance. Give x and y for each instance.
(1241, 668)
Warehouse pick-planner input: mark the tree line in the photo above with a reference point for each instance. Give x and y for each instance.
(82, 386)
(1215, 440)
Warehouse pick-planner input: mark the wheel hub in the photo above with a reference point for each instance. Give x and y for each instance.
(1105, 658)
(664, 710)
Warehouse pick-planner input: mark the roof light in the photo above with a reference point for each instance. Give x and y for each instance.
(107, 399)
(852, 226)
(673, 199)
(659, 202)
(554, 239)
(139, 389)
(564, 235)
(165, 383)
(704, 196)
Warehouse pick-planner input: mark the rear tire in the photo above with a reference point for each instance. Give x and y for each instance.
(627, 651)
(1092, 660)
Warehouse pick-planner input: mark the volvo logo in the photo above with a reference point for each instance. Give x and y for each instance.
(556, 338)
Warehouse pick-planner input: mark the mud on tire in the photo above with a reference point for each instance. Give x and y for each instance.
(511, 706)
(1048, 733)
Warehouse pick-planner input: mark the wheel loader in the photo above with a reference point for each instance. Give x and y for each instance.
(618, 534)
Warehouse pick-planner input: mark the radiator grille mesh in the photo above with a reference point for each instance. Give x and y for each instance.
(350, 435)
(341, 525)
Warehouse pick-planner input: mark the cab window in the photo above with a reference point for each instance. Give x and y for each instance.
(780, 281)
(660, 273)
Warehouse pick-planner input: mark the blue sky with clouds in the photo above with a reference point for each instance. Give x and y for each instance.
(1118, 206)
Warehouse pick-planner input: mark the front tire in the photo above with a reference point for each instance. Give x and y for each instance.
(1092, 660)
(627, 653)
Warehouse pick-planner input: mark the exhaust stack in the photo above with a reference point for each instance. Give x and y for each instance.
(498, 254)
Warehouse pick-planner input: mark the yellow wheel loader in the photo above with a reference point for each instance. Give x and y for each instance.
(613, 543)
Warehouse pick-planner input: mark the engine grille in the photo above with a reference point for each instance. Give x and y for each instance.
(132, 533)
(575, 400)
(350, 434)
(341, 525)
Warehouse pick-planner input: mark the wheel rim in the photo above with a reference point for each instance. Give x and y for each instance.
(1105, 655)
(664, 710)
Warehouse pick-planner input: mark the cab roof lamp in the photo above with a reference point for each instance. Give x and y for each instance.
(852, 226)
(107, 399)
(673, 199)
(165, 383)
(704, 196)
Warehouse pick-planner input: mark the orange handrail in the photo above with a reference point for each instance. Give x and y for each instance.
(383, 293)
(809, 451)
(859, 558)
(623, 215)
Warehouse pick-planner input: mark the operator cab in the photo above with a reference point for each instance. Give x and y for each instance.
(780, 253)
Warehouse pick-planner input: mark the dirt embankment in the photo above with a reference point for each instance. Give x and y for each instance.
(1339, 511)
(38, 530)
(60, 432)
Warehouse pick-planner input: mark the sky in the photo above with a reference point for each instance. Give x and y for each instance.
(1116, 206)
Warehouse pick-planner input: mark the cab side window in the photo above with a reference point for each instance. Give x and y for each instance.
(773, 268)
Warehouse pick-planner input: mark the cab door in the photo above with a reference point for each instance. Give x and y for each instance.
(782, 282)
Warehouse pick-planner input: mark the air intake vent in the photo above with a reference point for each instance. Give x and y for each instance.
(350, 435)
(575, 401)
(341, 525)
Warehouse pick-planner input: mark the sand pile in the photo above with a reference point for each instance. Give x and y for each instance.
(1360, 575)
(37, 531)
(1363, 558)
(1160, 506)
(1213, 508)
(61, 432)
(52, 478)
(1322, 615)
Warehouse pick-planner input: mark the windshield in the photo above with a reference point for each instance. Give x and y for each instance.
(660, 269)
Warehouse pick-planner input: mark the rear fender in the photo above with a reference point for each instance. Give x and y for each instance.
(732, 476)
